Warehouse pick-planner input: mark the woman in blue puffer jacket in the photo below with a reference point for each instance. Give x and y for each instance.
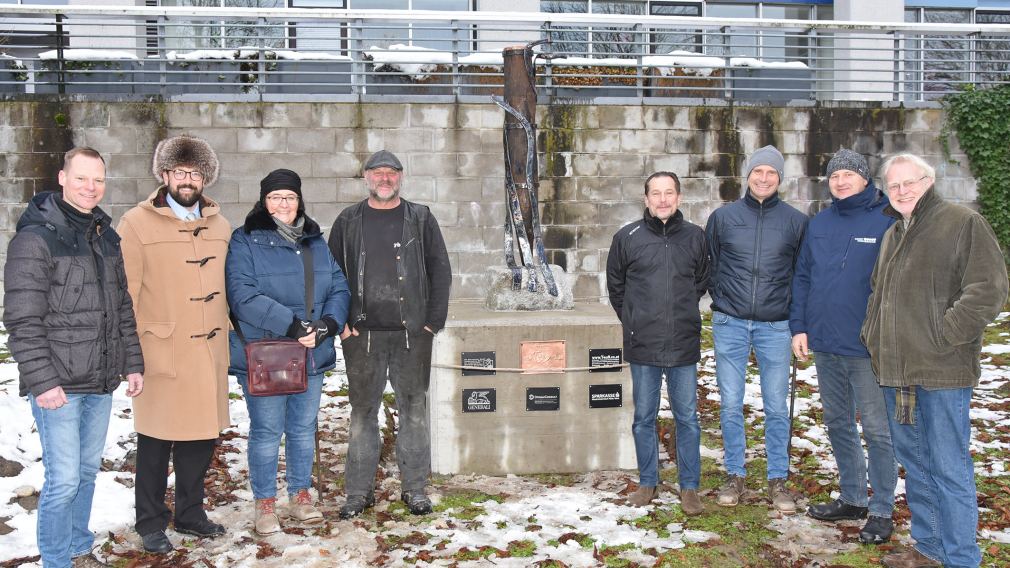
(267, 295)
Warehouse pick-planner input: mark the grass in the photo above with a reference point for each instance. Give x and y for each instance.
(465, 505)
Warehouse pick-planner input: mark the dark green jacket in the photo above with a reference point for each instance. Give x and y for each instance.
(938, 282)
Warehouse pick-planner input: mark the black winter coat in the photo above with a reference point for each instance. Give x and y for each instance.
(656, 274)
(754, 249)
(422, 266)
(67, 308)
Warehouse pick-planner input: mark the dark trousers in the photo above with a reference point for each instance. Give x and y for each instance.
(372, 358)
(190, 460)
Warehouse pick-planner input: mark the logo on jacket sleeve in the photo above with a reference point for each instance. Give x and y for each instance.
(866, 240)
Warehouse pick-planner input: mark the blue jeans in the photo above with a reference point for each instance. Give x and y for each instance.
(848, 384)
(772, 344)
(73, 437)
(293, 416)
(939, 474)
(682, 389)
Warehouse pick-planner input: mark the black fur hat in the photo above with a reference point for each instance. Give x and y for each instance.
(186, 150)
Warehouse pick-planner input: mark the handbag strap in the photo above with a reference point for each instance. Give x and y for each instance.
(310, 284)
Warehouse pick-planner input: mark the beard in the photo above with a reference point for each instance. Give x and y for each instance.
(189, 201)
(374, 193)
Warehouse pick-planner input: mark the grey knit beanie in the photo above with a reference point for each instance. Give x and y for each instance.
(767, 156)
(845, 159)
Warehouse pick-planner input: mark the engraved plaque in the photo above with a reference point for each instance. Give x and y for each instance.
(543, 398)
(479, 400)
(484, 359)
(609, 359)
(542, 356)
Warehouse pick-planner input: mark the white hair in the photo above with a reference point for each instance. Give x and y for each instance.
(927, 170)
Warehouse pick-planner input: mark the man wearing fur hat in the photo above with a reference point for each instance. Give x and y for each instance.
(830, 291)
(754, 242)
(174, 246)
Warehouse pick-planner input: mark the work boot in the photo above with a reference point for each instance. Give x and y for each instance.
(88, 561)
(690, 503)
(836, 510)
(356, 504)
(417, 502)
(732, 491)
(266, 520)
(302, 508)
(911, 558)
(780, 497)
(157, 543)
(643, 496)
(877, 530)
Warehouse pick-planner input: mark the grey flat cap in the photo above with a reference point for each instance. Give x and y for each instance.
(383, 159)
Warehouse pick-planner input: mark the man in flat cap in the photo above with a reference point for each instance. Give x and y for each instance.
(174, 246)
(754, 242)
(830, 291)
(398, 271)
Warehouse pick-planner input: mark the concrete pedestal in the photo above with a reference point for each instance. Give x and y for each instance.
(510, 438)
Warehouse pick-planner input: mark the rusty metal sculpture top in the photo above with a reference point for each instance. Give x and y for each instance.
(522, 222)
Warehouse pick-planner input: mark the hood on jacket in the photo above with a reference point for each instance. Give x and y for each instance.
(869, 198)
(260, 220)
(43, 210)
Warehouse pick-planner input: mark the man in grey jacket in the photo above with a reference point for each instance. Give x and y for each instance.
(398, 271)
(74, 336)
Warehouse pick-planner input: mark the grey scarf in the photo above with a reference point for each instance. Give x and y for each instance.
(291, 233)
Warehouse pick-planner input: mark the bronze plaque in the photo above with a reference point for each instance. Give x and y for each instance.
(542, 356)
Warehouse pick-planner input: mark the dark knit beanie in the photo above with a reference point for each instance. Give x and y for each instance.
(280, 179)
(846, 159)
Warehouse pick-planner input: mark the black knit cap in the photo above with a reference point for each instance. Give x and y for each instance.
(280, 179)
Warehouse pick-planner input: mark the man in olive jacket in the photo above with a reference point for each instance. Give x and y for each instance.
(939, 280)
(73, 334)
(657, 270)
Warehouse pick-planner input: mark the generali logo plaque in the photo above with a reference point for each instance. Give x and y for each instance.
(542, 356)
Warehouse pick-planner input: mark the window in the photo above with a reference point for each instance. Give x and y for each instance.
(936, 64)
(229, 34)
(665, 41)
(992, 52)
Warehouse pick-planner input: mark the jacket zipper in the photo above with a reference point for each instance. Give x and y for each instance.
(757, 262)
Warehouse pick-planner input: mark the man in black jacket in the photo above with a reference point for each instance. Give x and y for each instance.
(657, 271)
(754, 242)
(398, 271)
(74, 336)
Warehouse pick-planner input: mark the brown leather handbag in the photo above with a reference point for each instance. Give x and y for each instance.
(278, 365)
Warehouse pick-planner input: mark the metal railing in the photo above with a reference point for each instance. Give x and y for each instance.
(306, 54)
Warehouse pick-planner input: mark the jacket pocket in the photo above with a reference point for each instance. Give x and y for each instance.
(75, 354)
(157, 341)
(72, 289)
(936, 323)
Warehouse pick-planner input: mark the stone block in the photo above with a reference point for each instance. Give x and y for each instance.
(436, 165)
(918, 120)
(795, 166)
(620, 213)
(249, 189)
(237, 115)
(262, 140)
(597, 189)
(112, 140)
(310, 140)
(794, 143)
(17, 113)
(489, 141)
(336, 115)
(559, 237)
(88, 115)
(469, 116)
(502, 296)
(432, 116)
(143, 115)
(480, 165)
(595, 141)
(121, 191)
(620, 116)
(226, 190)
(258, 165)
(449, 189)
(383, 116)
(324, 213)
(463, 239)
(591, 288)
(447, 214)
(319, 190)
(420, 189)
(573, 213)
(667, 117)
(235, 213)
(683, 141)
(288, 115)
(131, 166)
(676, 163)
(15, 192)
(15, 139)
(220, 139)
(480, 214)
(189, 115)
(469, 286)
(478, 262)
(335, 165)
(408, 140)
(597, 236)
(351, 190)
(360, 141)
(492, 117)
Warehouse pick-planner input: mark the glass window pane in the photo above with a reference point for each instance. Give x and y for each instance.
(784, 46)
(443, 5)
(992, 51)
(665, 40)
(736, 42)
(566, 40)
(945, 58)
(617, 40)
(318, 4)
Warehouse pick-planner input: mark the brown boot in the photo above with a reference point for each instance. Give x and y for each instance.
(732, 490)
(690, 503)
(642, 496)
(911, 558)
(266, 521)
(302, 508)
(780, 497)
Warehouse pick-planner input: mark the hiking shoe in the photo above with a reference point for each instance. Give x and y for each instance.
(302, 508)
(911, 558)
(417, 502)
(355, 505)
(780, 497)
(877, 530)
(203, 529)
(643, 496)
(266, 520)
(732, 490)
(690, 503)
(836, 510)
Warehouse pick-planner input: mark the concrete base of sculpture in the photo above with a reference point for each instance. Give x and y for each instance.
(511, 422)
(502, 297)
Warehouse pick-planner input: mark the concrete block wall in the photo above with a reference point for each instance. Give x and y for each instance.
(593, 161)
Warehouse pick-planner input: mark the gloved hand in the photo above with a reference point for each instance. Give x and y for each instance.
(324, 327)
(298, 328)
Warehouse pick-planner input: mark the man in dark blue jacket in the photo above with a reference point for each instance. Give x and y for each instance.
(754, 242)
(830, 291)
(657, 270)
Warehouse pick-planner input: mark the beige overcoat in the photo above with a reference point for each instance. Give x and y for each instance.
(172, 267)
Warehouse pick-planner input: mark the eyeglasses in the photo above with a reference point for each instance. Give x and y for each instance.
(183, 174)
(907, 185)
(276, 199)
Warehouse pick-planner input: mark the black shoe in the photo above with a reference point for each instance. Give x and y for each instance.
(877, 530)
(836, 510)
(203, 529)
(417, 502)
(157, 543)
(356, 504)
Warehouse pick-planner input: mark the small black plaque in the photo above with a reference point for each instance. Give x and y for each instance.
(543, 398)
(479, 400)
(605, 358)
(606, 396)
(477, 359)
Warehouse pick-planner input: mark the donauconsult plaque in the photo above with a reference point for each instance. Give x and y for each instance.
(609, 359)
(479, 400)
(485, 359)
(543, 398)
(542, 356)
(606, 396)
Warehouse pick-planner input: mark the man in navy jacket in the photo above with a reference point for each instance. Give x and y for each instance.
(830, 291)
